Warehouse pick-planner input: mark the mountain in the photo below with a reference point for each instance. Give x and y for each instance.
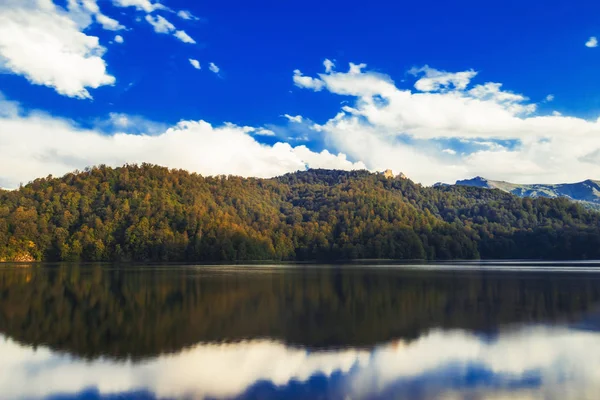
(587, 191)
(151, 213)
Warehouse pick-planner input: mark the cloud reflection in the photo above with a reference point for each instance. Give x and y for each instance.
(529, 363)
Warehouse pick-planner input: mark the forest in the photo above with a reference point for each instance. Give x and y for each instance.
(148, 213)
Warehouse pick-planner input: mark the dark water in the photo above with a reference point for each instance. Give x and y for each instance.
(301, 332)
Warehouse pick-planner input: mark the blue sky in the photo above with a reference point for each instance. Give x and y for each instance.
(61, 66)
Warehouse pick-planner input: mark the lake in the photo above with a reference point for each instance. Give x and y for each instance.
(449, 331)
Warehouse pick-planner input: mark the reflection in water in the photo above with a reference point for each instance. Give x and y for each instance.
(551, 363)
(301, 332)
(142, 312)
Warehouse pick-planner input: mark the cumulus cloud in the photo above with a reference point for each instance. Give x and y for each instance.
(550, 98)
(386, 126)
(141, 5)
(298, 118)
(55, 146)
(117, 123)
(83, 12)
(329, 65)
(264, 132)
(195, 63)
(213, 67)
(491, 91)
(108, 23)
(8, 108)
(433, 80)
(592, 42)
(119, 39)
(46, 45)
(307, 82)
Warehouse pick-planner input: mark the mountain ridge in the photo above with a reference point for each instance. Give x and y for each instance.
(587, 191)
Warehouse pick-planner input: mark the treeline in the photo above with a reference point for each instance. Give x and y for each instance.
(151, 213)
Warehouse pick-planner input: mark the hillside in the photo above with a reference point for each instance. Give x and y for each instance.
(587, 191)
(151, 213)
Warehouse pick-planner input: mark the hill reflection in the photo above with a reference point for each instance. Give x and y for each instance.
(143, 312)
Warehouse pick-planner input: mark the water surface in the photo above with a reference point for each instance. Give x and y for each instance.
(473, 331)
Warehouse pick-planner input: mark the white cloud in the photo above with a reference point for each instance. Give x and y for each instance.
(449, 151)
(214, 68)
(129, 124)
(374, 128)
(434, 80)
(195, 63)
(45, 44)
(84, 11)
(119, 39)
(54, 146)
(8, 108)
(307, 82)
(184, 14)
(326, 160)
(264, 132)
(184, 37)
(592, 42)
(160, 24)
(89, 5)
(550, 98)
(329, 65)
(298, 118)
(141, 5)
(491, 91)
(108, 23)
(356, 68)
(119, 120)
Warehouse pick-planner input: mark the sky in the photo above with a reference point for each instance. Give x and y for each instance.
(437, 90)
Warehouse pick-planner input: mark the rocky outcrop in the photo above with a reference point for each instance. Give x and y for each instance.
(388, 173)
(23, 257)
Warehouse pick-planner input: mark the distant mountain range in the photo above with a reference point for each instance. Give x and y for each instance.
(587, 191)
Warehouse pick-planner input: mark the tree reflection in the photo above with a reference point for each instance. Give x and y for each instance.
(93, 311)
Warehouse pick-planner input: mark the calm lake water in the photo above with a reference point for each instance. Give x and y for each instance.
(300, 332)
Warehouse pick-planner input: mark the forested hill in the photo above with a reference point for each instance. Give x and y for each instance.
(151, 213)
